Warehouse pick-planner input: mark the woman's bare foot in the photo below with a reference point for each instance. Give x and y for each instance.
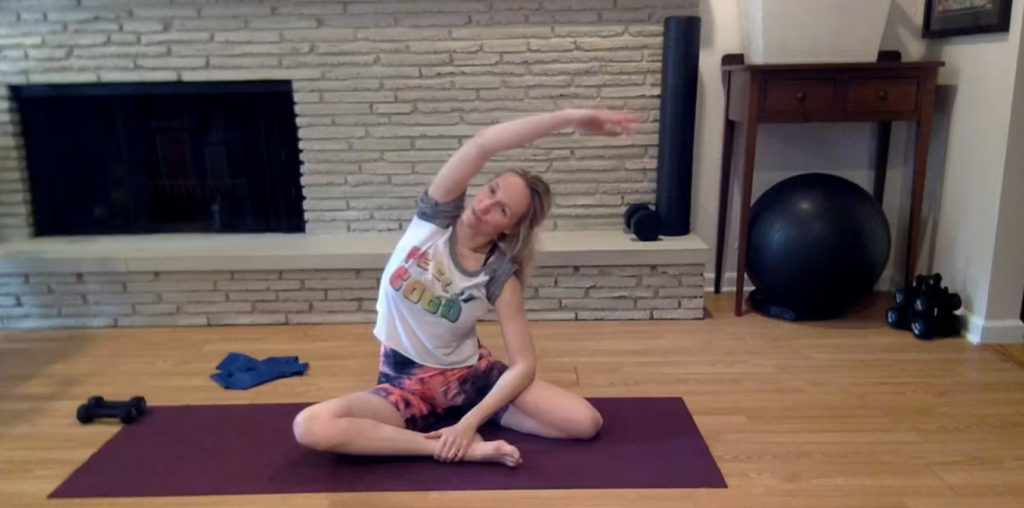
(494, 451)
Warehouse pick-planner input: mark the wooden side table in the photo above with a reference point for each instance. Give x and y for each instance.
(881, 92)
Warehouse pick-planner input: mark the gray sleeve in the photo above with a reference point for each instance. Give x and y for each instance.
(442, 215)
(497, 277)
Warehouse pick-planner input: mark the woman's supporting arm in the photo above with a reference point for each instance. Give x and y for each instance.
(515, 329)
(456, 440)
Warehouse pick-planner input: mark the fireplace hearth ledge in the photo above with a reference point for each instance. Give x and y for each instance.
(242, 252)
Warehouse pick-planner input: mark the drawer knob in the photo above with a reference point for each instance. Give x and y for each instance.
(800, 96)
(883, 95)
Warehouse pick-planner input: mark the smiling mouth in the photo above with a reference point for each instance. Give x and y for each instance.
(475, 214)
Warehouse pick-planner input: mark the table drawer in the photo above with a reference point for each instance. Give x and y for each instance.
(882, 96)
(804, 99)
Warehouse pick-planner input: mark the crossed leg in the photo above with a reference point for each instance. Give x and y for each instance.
(365, 424)
(546, 410)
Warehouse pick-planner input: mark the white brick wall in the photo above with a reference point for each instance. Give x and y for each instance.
(323, 297)
(383, 88)
(15, 204)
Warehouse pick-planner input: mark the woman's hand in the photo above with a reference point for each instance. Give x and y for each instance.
(606, 123)
(455, 442)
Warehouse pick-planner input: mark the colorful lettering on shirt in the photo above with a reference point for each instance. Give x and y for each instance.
(416, 292)
(431, 302)
(441, 275)
(421, 256)
(451, 309)
(413, 254)
(399, 276)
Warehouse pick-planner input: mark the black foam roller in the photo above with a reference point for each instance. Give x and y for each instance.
(679, 78)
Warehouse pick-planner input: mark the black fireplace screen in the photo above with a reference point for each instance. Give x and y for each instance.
(162, 158)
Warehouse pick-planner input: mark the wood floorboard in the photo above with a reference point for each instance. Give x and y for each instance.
(841, 414)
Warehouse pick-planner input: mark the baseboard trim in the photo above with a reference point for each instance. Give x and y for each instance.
(993, 331)
(728, 282)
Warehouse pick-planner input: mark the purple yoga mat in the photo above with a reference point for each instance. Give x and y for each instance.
(249, 449)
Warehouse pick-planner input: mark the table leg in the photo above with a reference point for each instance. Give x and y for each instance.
(882, 159)
(723, 202)
(723, 193)
(749, 153)
(924, 134)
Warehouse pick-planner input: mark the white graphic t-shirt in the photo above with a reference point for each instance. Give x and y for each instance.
(429, 304)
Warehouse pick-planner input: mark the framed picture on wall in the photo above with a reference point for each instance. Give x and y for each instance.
(947, 18)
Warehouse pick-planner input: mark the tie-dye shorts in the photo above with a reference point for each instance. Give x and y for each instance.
(431, 398)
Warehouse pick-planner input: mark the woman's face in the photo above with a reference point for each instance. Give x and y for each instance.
(498, 206)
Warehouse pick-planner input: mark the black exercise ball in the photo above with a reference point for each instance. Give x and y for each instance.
(816, 244)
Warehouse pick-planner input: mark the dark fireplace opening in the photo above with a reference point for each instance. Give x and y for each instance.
(162, 158)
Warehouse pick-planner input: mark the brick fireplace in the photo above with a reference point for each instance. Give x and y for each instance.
(383, 92)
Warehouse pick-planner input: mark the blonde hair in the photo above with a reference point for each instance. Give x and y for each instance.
(520, 244)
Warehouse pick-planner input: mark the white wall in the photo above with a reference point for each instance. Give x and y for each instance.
(1002, 314)
(977, 246)
(783, 151)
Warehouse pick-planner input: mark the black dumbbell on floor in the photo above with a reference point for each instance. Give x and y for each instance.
(126, 411)
(897, 318)
(643, 222)
(927, 328)
(926, 309)
(934, 303)
(905, 297)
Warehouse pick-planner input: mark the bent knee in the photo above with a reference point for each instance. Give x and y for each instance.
(594, 422)
(588, 424)
(304, 426)
(315, 428)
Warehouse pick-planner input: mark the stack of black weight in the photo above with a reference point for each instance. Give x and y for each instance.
(927, 309)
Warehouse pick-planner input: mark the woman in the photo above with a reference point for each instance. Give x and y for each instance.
(437, 383)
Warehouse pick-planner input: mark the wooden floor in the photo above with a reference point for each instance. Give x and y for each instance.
(838, 414)
(1013, 353)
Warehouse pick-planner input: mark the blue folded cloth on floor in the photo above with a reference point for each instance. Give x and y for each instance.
(240, 371)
